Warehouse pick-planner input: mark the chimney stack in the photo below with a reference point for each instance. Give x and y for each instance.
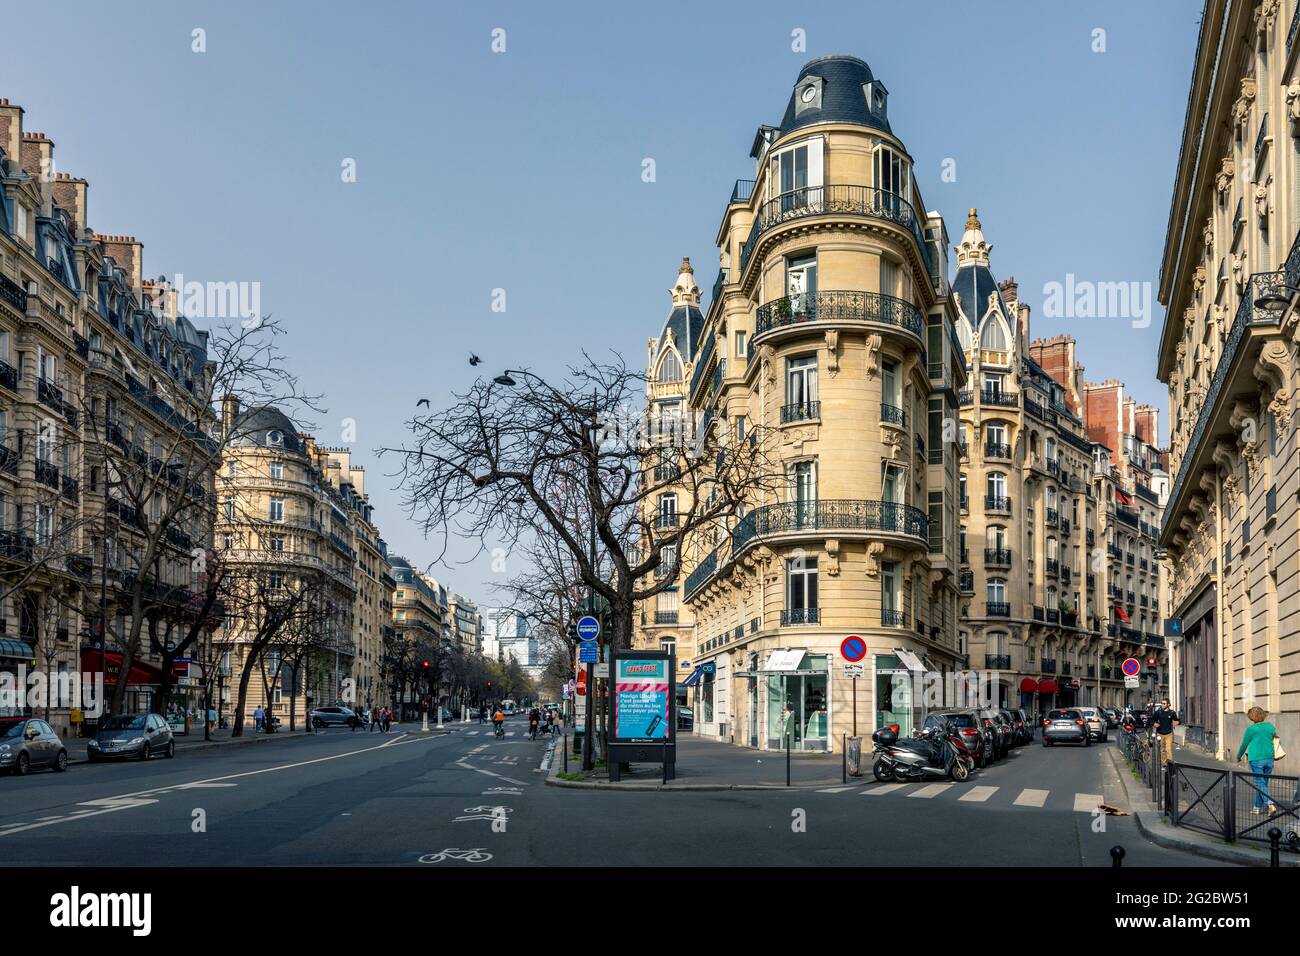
(38, 156)
(70, 194)
(127, 252)
(1009, 288)
(11, 131)
(229, 412)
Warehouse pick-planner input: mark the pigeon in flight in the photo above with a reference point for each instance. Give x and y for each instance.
(474, 359)
(423, 401)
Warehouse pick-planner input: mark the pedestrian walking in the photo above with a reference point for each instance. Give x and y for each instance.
(1257, 744)
(375, 719)
(482, 714)
(387, 719)
(259, 715)
(1164, 719)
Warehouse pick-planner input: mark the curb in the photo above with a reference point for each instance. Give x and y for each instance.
(1153, 825)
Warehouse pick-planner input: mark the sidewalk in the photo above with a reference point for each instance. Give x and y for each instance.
(1155, 825)
(186, 743)
(709, 765)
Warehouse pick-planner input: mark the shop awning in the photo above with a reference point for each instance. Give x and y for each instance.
(784, 661)
(111, 661)
(1028, 685)
(910, 660)
(16, 650)
(693, 679)
(1047, 687)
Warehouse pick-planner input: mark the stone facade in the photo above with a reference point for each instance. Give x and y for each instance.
(1230, 272)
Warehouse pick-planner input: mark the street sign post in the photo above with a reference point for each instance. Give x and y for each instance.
(588, 628)
(853, 649)
(1131, 667)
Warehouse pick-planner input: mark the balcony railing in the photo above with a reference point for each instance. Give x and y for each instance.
(966, 582)
(666, 617)
(1053, 518)
(800, 411)
(667, 519)
(47, 473)
(893, 414)
(1047, 665)
(8, 376)
(997, 556)
(799, 615)
(13, 293)
(997, 662)
(997, 609)
(836, 200)
(997, 503)
(990, 396)
(8, 460)
(890, 617)
(838, 307)
(994, 449)
(743, 189)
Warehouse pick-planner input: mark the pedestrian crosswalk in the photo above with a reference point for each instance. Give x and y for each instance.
(475, 733)
(987, 795)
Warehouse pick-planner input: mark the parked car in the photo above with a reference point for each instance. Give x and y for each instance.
(1002, 729)
(1114, 716)
(1065, 726)
(131, 735)
(1027, 725)
(334, 717)
(27, 743)
(992, 731)
(966, 723)
(1017, 721)
(1095, 721)
(685, 718)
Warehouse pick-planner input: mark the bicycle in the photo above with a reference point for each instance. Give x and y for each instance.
(475, 855)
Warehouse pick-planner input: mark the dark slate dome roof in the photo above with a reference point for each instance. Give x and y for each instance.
(686, 322)
(254, 426)
(843, 99)
(974, 284)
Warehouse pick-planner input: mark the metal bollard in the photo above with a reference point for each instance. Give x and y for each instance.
(1116, 857)
(844, 757)
(1274, 847)
(566, 753)
(788, 735)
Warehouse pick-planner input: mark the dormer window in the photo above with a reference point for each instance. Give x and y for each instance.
(275, 438)
(877, 97)
(808, 95)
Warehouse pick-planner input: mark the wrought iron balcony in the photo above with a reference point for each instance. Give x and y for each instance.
(70, 488)
(79, 564)
(1053, 615)
(997, 662)
(800, 615)
(997, 503)
(12, 292)
(1047, 665)
(1053, 518)
(667, 519)
(1038, 613)
(666, 617)
(81, 344)
(1053, 567)
(16, 546)
(997, 556)
(47, 473)
(966, 582)
(893, 414)
(838, 307)
(8, 376)
(743, 189)
(994, 449)
(997, 609)
(8, 460)
(992, 396)
(840, 201)
(801, 411)
(844, 514)
(890, 617)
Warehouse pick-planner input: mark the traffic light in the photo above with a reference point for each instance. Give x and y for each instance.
(489, 685)
(426, 665)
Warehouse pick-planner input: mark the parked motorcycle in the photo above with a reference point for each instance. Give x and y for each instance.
(934, 754)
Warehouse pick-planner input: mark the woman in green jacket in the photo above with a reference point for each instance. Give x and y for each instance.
(1257, 745)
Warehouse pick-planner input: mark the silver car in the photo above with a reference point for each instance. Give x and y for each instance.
(1096, 722)
(27, 743)
(131, 735)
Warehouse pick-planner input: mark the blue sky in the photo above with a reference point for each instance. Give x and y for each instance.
(522, 170)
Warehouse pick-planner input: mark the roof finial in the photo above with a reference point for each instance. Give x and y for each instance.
(972, 221)
(686, 266)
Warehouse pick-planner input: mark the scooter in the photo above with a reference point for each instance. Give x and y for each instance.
(932, 754)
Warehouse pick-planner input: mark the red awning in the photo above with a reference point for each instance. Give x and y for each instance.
(141, 672)
(1028, 685)
(1047, 687)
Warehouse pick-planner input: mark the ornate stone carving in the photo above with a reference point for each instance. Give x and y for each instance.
(767, 357)
(833, 351)
(1242, 107)
(1263, 196)
(1293, 107)
(895, 442)
(1227, 169)
(1274, 369)
(1239, 269)
(1207, 237)
(833, 557)
(1266, 16)
(872, 352)
(1198, 278)
(874, 550)
(797, 436)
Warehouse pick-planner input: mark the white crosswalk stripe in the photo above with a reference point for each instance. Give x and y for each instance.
(931, 791)
(471, 733)
(1031, 798)
(834, 789)
(1086, 802)
(881, 791)
(978, 794)
(510, 733)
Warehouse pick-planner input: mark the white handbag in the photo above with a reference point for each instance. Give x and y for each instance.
(1278, 752)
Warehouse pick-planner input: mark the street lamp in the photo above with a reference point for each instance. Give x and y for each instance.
(505, 378)
(1277, 298)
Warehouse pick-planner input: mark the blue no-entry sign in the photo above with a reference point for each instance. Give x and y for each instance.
(1131, 667)
(588, 628)
(853, 648)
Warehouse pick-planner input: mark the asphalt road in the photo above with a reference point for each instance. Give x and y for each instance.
(343, 798)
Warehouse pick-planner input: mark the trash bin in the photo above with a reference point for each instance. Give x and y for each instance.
(854, 752)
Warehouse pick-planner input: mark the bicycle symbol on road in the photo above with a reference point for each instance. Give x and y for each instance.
(475, 855)
(483, 813)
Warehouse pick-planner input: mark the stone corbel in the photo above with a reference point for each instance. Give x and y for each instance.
(1198, 278)
(1227, 170)
(832, 351)
(1245, 102)
(1263, 196)
(768, 358)
(1207, 236)
(874, 550)
(1293, 107)
(1266, 17)
(1269, 562)
(872, 353)
(1274, 369)
(833, 557)
(1239, 270)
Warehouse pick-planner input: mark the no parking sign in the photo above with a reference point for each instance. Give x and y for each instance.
(853, 648)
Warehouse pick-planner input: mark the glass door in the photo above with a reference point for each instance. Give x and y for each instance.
(893, 694)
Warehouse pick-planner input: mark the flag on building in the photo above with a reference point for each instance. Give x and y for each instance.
(1119, 612)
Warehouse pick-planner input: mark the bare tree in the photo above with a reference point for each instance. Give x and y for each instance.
(511, 461)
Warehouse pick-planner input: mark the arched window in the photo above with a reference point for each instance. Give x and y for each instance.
(964, 335)
(670, 368)
(994, 335)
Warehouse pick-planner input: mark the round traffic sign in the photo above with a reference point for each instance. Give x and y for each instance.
(588, 628)
(1131, 667)
(853, 648)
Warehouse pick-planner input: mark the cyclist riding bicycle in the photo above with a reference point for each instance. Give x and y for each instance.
(499, 722)
(534, 719)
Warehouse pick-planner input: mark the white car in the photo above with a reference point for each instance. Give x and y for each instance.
(1096, 721)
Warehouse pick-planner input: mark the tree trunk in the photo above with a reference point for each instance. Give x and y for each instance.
(245, 674)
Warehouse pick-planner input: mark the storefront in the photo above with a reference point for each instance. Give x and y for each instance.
(895, 687)
(185, 710)
(143, 681)
(797, 692)
(16, 659)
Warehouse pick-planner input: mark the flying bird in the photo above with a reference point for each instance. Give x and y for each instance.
(474, 359)
(423, 401)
